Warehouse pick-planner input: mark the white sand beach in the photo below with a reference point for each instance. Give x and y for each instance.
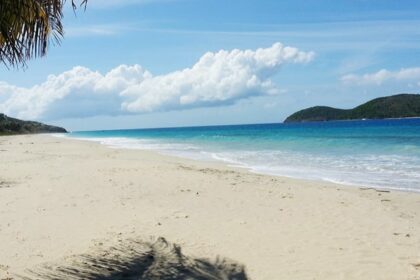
(62, 197)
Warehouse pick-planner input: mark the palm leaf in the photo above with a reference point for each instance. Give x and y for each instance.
(28, 27)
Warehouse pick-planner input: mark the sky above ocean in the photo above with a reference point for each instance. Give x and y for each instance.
(145, 63)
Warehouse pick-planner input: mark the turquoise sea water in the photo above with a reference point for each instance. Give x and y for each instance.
(377, 153)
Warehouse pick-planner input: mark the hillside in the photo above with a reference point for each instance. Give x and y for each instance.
(396, 106)
(9, 126)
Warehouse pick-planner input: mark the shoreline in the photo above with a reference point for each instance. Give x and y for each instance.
(64, 196)
(228, 164)
(351, 120)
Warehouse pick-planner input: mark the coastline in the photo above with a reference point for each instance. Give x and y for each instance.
(237, 165)
(351, 120)
(61, 196)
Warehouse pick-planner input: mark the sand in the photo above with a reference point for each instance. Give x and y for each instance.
(61, 197)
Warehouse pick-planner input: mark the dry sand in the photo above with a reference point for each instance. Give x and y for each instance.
(60, 197)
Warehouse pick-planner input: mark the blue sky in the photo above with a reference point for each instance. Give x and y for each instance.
(343, 53)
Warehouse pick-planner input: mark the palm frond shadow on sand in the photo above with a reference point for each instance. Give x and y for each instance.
(134, 259)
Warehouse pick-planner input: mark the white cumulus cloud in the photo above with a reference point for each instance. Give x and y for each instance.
(219, 78)
(382, 76)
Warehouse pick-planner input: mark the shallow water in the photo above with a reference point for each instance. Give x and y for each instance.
(377, 153)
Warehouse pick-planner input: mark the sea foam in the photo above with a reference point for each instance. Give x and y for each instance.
(384, 154)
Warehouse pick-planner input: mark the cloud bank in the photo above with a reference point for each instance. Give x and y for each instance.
(383, 76)
(219, 78)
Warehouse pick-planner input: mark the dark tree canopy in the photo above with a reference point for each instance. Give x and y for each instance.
(395, 106)
(28, 27)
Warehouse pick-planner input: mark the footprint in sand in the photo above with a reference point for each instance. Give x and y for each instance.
(416, 266)
(4, 267)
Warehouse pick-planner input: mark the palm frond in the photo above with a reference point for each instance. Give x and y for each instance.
(28, 27)
(135, 259)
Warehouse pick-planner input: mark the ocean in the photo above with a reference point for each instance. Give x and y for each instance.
(372, 153)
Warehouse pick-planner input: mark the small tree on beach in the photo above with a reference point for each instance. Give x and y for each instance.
(27, 27)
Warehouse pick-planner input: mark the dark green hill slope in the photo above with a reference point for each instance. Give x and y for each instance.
(396, 106)
(9, 126)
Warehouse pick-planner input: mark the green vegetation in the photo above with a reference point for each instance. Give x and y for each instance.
(396, 106)
(28, 26)
(10, 126)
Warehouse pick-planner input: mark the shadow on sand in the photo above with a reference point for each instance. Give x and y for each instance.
(134, 259)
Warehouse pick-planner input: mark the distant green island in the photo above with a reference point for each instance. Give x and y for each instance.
(12, 126)
(395, 106)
